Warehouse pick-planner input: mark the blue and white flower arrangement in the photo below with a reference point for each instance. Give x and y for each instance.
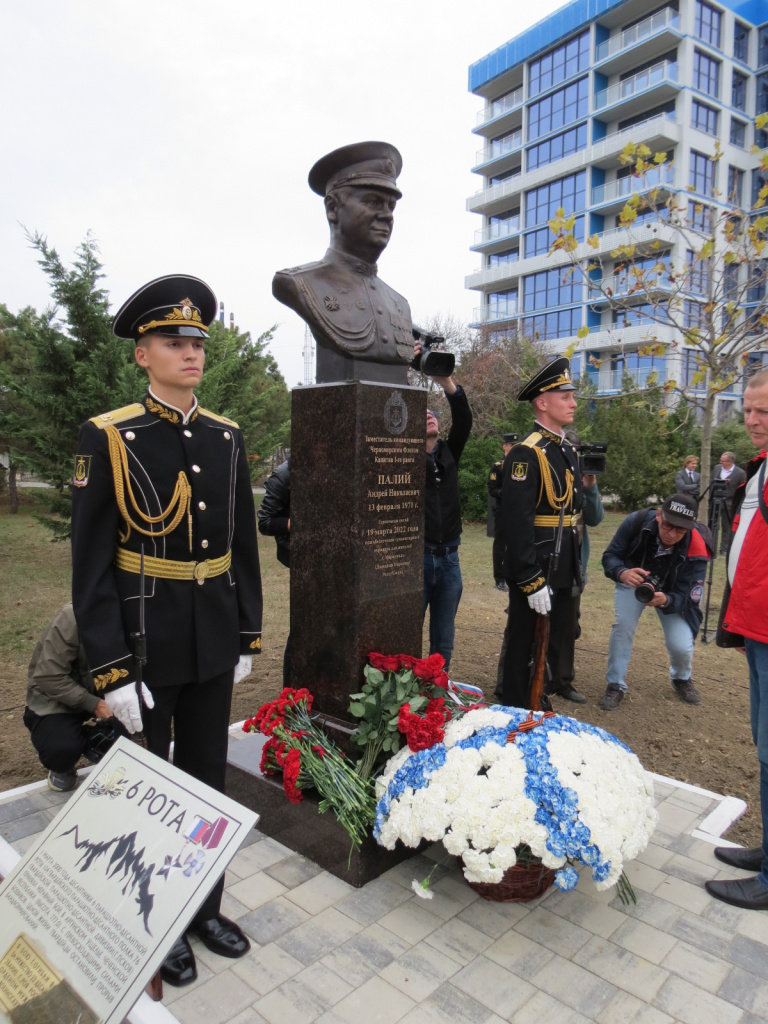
(569, 791)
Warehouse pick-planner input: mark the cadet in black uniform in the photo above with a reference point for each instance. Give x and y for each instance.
(495, 482)
(541, 477)
(168, 476)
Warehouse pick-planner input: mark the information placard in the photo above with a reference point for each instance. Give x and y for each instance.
(90, 912)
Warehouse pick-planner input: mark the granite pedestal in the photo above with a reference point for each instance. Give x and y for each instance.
(358, 471)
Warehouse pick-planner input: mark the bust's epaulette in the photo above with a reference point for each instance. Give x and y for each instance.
(219, 419)
(107, 419)
(532, 440)
(303, 269)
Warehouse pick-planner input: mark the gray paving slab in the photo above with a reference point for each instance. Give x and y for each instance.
(325, 953)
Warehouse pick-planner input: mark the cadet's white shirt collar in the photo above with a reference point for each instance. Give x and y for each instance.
(185, 416)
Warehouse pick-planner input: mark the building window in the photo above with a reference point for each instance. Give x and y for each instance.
(708, 23)
(739, 90)
(557, 65)
(740, 41)
(551, 288)
(498, 259)
(558, 109)
(557, 147)
(698, 273)
(694, 316)
(759, 182)
(762, 47)
(738, 133)
(704, 118)
(542, 203)
(735, 180)
(549, 326)
(504, 176)
(706, 73)
(702, 173)
(502, 304)
(504, 224)
(699, 217)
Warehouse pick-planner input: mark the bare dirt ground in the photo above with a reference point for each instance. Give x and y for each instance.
(708, 746)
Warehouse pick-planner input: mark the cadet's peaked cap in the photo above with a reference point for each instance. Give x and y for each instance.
(177, 304)
(555, 376)
(363, 163)
(510, 438)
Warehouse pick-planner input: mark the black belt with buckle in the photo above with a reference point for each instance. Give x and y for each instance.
(441, 549)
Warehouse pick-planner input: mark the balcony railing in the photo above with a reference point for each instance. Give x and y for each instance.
(668, 18)
(611, 190)
(499, 148)
(497, 231)
(501, 106)
(664, 71)
(492, 314)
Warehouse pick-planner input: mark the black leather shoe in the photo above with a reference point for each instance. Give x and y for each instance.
(738, 857)
(748, 893)
(569, 693)
(222, 936)
(179, 968)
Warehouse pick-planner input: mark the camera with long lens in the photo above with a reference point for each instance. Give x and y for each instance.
(592, 457)
(645, 591)
(429, 362)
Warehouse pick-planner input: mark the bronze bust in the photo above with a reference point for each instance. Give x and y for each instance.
(362, 326)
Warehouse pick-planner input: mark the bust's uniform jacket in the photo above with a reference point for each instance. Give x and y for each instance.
(195, 630)
(348, 306)
(526, 503)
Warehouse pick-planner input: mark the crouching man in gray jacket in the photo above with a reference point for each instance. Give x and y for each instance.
(61, 698)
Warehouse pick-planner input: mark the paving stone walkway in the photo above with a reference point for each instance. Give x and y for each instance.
(325, 952)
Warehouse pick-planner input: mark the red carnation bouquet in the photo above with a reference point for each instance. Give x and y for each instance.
(401, 696)
(305, 755)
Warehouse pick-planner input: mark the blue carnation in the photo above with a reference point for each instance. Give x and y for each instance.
(566, 878)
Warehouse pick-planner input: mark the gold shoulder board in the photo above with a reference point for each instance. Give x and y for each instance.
(532, 440)
(107, 419)
(219, 419)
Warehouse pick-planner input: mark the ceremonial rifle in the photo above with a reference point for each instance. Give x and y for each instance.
(541, 632)
(140, 652)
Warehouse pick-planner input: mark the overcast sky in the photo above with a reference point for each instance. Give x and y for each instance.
(180, 133)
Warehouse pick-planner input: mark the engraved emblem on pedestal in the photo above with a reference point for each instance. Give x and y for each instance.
(395, 413)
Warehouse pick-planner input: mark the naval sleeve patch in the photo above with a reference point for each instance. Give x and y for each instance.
(82, 470)
(519, 471)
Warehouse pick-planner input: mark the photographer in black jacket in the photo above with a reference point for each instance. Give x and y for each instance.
(657, 559)
(442, 529)
(274, 519)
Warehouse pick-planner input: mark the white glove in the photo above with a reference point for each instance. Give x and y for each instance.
(243, 667)
(540, 601)
(125, 705)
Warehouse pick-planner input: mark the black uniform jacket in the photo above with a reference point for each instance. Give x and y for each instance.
(525, 497)
(195, 630)
(496, 482)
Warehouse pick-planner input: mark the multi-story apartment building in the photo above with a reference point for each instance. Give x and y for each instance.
(562, 100)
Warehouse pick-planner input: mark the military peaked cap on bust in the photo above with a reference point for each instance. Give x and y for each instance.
(177, 304)
(555, 376)
(363, 163)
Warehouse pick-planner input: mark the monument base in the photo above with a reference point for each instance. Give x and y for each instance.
(301, 827)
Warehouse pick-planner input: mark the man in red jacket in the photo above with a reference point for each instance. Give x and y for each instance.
(746, 616)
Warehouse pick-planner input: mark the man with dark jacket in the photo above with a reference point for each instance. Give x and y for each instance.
(61, 698)
(495, 487)
(658, 559)
(442, 527)
(274, 513)
(733, 477)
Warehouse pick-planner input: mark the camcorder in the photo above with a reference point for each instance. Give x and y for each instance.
(645, 591)
(592, 457)
(433, 364)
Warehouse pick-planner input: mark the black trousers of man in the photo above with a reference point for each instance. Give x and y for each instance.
(516, 682)
(200, 716)
(499, 546)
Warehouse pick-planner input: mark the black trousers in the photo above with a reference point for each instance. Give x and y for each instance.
(58, 739)
(521, 624)
(198, 716)
(499, 547)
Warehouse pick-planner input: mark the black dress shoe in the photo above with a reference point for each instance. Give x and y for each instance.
(179, 968)
(221, 936)
(749, 893)
(569, 693)
(738, 857)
